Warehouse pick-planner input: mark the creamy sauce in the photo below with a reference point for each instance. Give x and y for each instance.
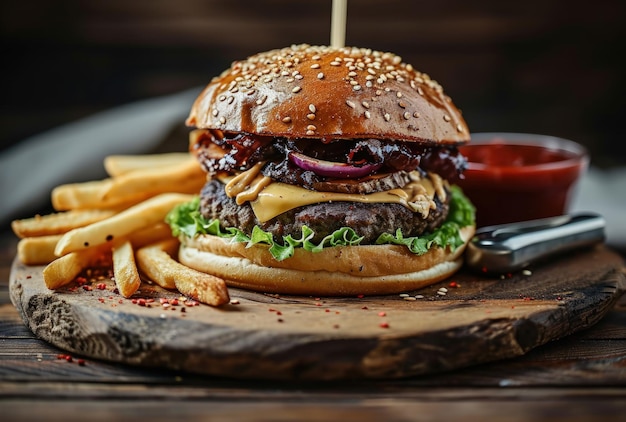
(269, 199)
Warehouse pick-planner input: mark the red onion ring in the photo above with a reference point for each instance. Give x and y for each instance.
(331, 168)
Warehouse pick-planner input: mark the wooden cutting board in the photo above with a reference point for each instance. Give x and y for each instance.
(478, 319)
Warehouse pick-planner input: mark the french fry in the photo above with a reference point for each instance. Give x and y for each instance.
(125, 271)
(156, 180)
(89, 195)
(117, 165)
(156, 262)
(58, 223)
(137, 217)
(151, 234)
(37, 250)
(65, 269)
(151, 258)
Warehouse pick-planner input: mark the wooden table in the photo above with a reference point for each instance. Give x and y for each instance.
(579, 378)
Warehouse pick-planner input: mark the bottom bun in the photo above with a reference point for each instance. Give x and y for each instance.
(336, 271)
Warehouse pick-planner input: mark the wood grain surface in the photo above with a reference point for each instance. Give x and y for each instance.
(307, 338)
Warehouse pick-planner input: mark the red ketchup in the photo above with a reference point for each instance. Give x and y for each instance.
(517, 177)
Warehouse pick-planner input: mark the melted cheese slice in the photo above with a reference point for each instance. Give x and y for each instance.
(269, 199)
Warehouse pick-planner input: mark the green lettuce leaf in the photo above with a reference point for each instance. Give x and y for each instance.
(186, 219)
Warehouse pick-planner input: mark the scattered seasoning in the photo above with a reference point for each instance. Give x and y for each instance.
(384, 324)
(382, 314)
(234, 302)
(527, 272)
(360, 296)
(419, 296)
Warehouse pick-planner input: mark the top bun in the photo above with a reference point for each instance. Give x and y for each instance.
(323, 92)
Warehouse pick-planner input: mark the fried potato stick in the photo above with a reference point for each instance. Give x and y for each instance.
(37, 250)
(156, 262)
(65, 269)
(117, 165)
(125, 270)
(137, 217)
(58, 223)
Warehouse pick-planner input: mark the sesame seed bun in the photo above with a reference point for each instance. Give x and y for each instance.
(338, 271)
(320, 92)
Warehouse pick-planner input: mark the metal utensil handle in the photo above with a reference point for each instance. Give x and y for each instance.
(511, 247)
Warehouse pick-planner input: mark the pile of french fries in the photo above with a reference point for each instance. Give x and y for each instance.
(121, 216)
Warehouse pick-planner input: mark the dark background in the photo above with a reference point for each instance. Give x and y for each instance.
(552, 67)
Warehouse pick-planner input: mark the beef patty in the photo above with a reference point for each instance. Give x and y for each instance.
(367, 220)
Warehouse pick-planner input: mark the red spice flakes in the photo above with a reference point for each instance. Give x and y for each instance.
(361, 296)
(454, 284)
(326, 310)
(384, 324)
(101, 286)
(280, 320)
(364, 307)
(69, 358)
(101, 300)
(336, 326)
(87, 287)
(382, 314)
(141, 302)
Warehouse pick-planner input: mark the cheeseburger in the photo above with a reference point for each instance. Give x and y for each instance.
(329, 172)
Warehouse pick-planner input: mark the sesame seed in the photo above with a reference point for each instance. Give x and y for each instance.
(350, 104)
(315, 66)
(222, 97)
(399, 94)
(231, 99)
(378, 92)
(222, 120)
(369, 77)
(316, 57)
(369, 84)
(310, 132)
(387, 116)
(289, 80)
(284, 73)
(312, 108)
(214, 112)
(446, 118)
(367, 114)
(365, 104)
(406, 115)
(402, 104)
(416, 114)
(352, 74)
(320, 75)
(287, 119)
(419, 296)
(296, 89)
(420, 91)
(371, 71)
(356, 87)
(311, 127)
(299, 76)
(409, 298)
(353, 82)
(261, 100)
(310, 116)
(333, 63)
(440, 293)
(459, 128)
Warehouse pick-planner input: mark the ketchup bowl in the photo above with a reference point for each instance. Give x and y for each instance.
(518, 176)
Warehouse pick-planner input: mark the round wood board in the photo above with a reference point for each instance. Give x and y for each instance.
(479, 319)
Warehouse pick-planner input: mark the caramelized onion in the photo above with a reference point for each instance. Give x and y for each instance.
(331, 168)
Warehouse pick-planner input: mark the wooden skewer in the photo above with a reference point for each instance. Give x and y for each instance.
(338, 23)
